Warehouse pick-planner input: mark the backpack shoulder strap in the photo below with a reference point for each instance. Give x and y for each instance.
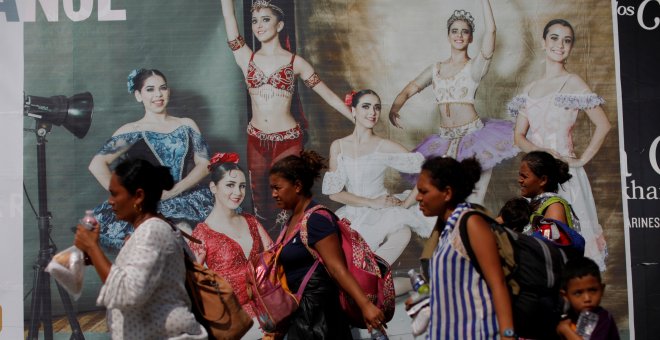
(315, 255)
(552, 200)
(506, 249)
(465, 238)
(304, 235)
(189, 258)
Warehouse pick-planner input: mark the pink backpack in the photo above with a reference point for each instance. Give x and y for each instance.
(370, 271)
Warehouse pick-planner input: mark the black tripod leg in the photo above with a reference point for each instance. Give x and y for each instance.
(35, 308)
(41, 313)
(46, 311)
(76, 332)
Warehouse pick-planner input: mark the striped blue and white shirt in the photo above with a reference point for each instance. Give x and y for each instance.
(461, 302)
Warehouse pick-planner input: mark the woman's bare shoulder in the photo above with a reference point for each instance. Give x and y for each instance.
(390, 146)
(127, 128)
(187, 122)
(575, 84)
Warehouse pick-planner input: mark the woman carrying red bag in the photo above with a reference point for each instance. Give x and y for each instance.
(319, 315)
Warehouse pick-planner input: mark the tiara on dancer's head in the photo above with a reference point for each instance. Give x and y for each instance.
(461, 14)
(259, 4)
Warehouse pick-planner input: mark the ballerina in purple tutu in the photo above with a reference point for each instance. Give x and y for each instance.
(462, 134)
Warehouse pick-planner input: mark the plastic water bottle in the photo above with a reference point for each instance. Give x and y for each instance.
(586, 324)
(89, 221)
(418, 283)
(376, 334)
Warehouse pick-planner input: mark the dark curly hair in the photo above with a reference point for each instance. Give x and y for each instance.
(460, 176)
(305, 168)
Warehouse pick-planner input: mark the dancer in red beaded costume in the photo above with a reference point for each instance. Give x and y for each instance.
(270, 73)
(230, 240)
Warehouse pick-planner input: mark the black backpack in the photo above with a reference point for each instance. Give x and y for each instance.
(532, 269)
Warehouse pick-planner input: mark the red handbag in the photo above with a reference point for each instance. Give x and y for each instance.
(272, 300)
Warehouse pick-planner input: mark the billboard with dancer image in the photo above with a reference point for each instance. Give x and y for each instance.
(176, 82)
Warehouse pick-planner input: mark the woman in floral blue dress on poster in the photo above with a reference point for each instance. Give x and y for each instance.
(161, 139)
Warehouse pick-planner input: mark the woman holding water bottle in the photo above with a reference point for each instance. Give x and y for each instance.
(144, 290)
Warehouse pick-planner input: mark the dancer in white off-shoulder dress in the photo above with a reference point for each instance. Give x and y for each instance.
(356, 178)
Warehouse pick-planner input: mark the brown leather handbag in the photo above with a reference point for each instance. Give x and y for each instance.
(214, 304)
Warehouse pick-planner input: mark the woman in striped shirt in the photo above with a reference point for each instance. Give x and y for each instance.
(464, 304)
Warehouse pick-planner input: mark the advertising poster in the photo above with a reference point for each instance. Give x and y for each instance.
(262, 107)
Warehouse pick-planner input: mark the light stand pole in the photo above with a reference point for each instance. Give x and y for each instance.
(40, 310)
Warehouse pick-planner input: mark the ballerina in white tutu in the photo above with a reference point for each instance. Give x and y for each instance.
(357, 178)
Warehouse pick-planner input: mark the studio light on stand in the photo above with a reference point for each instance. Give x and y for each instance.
(75, 114)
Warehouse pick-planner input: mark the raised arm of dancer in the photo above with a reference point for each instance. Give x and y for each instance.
(348, 198)
(237, 44)
(421, 82)
(313, 81)
(482, 60)
(195, 175)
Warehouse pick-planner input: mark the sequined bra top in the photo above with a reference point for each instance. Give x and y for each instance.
(282, 79)
(459, 88)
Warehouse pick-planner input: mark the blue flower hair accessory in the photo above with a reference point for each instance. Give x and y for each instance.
(131, 79)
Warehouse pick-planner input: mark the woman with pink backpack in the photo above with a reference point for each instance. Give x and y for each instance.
(319, 315)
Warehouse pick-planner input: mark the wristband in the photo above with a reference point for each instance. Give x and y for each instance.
(509, 333)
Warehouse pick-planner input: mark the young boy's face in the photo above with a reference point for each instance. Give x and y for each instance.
(584, 293)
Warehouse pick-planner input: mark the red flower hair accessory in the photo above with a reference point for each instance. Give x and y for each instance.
(223, 157)
(348, 99)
